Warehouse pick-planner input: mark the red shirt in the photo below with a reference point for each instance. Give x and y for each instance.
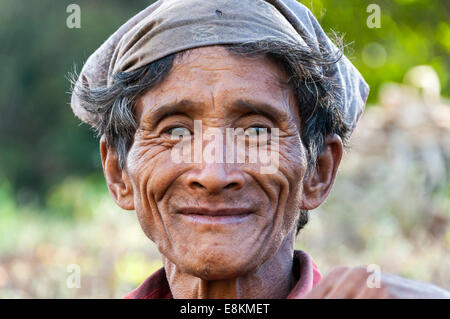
(157, 287)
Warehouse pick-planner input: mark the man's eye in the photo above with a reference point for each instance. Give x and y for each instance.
(178, 131)
(255, 131)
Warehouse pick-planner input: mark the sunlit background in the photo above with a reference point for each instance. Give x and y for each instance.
(390, 205)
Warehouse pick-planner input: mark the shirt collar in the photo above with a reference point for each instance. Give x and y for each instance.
(157, 287)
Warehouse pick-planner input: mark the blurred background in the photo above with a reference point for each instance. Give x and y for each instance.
(390, 205)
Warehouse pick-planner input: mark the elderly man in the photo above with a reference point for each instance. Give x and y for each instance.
(180, 70)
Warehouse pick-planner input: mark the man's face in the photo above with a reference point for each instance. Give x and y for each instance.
(217, 220)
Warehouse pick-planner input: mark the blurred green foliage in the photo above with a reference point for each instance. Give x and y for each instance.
(41, 142)
(412, 32)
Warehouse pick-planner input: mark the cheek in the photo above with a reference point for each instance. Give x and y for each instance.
(150, 164)
(293, 160)
(151, 171)
(292, 165)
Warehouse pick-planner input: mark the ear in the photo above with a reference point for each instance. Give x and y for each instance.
(319, 180)
(118, 182)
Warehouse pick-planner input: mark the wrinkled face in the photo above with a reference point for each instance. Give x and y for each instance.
(217, 220)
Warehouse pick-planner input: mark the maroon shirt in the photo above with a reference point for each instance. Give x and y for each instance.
(305, 269)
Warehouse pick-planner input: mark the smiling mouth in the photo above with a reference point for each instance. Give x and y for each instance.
(215, 216)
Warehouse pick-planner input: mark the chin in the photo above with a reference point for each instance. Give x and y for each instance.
(219, 265)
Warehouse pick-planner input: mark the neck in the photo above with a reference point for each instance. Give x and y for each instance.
(273, 279)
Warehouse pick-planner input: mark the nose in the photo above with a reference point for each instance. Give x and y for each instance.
(215, 177)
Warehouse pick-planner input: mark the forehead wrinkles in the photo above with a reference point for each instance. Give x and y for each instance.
(213, 77)
(217, 60)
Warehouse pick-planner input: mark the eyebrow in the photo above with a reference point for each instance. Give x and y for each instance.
(160, 113)
(259, 107)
